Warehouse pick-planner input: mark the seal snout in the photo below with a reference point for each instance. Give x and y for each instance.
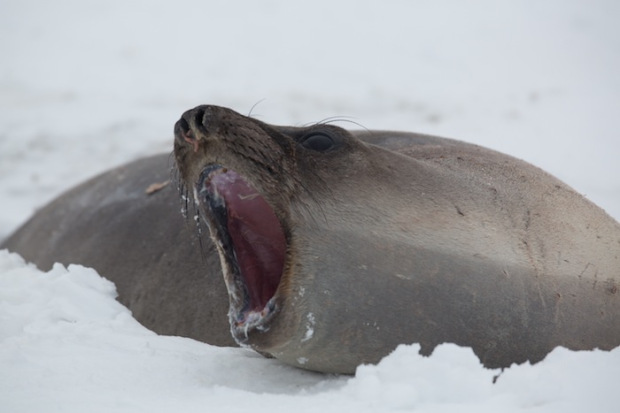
(199, 123)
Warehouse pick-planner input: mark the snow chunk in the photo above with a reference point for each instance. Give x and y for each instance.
(309, 327)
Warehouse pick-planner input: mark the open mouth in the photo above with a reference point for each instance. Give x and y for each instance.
(251, 243)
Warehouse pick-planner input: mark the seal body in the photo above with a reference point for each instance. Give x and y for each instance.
(386, 238)
(133, 233)
(329, 248)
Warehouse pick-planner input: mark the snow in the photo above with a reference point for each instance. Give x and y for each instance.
(309, 327)
(87, 85)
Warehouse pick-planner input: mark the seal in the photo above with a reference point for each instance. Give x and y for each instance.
(336, 246)
(127, 224)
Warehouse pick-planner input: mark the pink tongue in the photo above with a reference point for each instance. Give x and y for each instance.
(256, 235)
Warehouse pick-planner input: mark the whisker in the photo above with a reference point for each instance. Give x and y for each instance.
(255, 105)
(336, 119)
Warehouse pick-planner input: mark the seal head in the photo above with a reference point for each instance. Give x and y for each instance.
(240, 172)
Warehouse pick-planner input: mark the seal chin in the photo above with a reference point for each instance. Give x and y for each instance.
(251, 244)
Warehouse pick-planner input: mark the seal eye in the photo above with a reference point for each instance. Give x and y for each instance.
(319, 142)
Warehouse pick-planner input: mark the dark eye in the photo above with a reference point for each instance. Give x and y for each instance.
(319, 142)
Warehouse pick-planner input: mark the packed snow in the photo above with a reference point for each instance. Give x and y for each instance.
(86, 85)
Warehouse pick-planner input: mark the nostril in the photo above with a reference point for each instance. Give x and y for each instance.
(189, 136)
(198, 118)
(184, 132)
(183, 126)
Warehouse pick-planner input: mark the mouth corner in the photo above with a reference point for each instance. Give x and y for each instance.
(252, 245)
(242, 323)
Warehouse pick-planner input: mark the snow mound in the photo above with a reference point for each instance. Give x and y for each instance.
(67, 345)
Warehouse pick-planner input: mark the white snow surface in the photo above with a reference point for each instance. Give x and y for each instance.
(86, 85)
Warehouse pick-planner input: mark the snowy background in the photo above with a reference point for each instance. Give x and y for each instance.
(86, 85)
